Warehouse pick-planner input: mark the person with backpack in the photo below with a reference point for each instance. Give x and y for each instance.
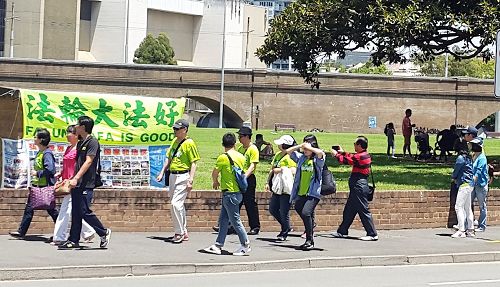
(279, 182)
(182, 158)
(306, 190)
(42, 175)
(231, 197)
(357, 203)
(82, 184)
(389, 131)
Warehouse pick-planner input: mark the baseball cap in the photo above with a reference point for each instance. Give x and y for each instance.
(246, 131)
(284, 139)
(182, 123)
(478, 141)
(470, 130)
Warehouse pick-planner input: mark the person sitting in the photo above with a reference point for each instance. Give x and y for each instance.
(264, 153)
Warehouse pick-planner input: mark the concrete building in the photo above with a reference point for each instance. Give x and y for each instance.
(111, 30)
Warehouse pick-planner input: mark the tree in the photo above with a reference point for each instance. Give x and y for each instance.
(474, 68)
(310, 30)
(370, 68)
(155, 51)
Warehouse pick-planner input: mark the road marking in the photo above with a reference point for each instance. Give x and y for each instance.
(464, 282)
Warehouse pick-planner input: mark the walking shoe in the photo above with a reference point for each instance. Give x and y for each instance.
(69, 245)
(105, 239)
(339, 235)
(455, 227)
(16, 234)
(480, 229)
(470, 233)
(89, 239)
(476, 223)
(214, 249)
(178, 238)
(459, 234)
(369, 238)
(242, 251)
(185, 237)
(281, 238)
(253, 231)
(308, 245)
(215, 228)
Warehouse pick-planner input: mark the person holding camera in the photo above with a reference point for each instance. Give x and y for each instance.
(357, 203)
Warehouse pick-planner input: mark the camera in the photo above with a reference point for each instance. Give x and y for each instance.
(335, 147)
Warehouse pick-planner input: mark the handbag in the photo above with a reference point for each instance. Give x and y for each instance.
(328, 183)
(62, 188)
(371, 187)
(167, 170)
(42, 198)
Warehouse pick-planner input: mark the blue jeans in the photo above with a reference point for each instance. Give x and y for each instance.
(230, 212)
(481, 192)
(279, 207)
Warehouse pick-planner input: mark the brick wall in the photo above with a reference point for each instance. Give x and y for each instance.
(148, 210)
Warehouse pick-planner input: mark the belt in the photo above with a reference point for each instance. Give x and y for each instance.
(179, 171)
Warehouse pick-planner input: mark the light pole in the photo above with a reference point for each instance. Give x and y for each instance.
(221, 106)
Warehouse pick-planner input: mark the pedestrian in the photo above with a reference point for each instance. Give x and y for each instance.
(462, 178)
(231, 197)
(82, 186)
(68, 170)
(407, 131)
(283, 169)
(306, 191)
(182, 157)
(267, 151)
(390, 132)
(479, 180)
(42, 175)
(357, 202)
(251, 153)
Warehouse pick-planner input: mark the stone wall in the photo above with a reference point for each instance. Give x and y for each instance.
(148, 210)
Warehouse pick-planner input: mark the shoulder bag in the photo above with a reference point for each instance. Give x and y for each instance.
(167, 170)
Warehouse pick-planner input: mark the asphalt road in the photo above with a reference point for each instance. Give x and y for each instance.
(467, 274)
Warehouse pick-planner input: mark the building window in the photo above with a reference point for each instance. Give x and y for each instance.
(86, 10)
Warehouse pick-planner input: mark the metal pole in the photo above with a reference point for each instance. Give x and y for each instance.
(126, 32)
(221, 107)
(446, 65)
(246, 46)
(12, 32)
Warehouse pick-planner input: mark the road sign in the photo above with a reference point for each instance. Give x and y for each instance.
(497, 67)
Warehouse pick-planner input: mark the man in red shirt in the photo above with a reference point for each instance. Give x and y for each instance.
(407, 131)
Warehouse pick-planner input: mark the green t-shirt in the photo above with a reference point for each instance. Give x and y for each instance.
(306, 175)
(186, 155)
(38, 165)
(227, 178)
(251, 155)
(282, 161)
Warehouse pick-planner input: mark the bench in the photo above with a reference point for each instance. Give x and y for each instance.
(280, 126)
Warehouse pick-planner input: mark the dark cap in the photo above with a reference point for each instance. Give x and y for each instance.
(470, 130)
(478, 141)
(246, 131)
(182, 123)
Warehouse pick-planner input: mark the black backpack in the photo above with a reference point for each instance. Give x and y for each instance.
(328, 184)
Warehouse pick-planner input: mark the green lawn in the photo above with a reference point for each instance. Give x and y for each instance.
(390, 174)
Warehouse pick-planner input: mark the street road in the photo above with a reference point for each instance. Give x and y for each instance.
(444, 275)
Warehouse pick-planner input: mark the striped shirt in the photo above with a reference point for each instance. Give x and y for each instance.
(360, 161)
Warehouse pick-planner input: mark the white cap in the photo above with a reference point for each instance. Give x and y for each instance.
(285, 139)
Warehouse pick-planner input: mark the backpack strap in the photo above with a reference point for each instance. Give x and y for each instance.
(371, 173)
(175, 151)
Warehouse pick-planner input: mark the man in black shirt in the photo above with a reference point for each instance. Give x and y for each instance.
(82, 186)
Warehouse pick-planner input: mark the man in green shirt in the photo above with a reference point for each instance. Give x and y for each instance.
(182, 167)
(251, 153)
(231, 197)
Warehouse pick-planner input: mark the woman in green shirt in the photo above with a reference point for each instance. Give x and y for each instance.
(282, 170)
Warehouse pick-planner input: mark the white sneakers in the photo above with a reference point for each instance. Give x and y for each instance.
(459, 234)
(214, 249)
(242, 251)
(369, 238)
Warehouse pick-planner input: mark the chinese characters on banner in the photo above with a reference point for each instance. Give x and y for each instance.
(119, 120)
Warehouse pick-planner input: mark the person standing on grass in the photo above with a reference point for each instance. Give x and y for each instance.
(43, 175)
(182, 167)
(390, 132)
(251, 153)
(461, 178)
(82, 186)
(357, 203)
(407, 128)
(231, 197)
(306, 190)
(279, 205)
(68, 170)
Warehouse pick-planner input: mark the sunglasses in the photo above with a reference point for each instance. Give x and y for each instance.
(176, 129)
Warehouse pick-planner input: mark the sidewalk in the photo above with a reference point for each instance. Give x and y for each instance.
(149, 253)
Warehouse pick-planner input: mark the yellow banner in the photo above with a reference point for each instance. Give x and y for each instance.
(119, 119)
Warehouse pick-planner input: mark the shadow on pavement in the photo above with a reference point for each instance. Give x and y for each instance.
(35, 238)
(224, 252)
(166, 239)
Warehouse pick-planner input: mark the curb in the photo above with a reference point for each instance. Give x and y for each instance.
(97, 271)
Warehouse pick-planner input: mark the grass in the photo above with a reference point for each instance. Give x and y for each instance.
(390, 174)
